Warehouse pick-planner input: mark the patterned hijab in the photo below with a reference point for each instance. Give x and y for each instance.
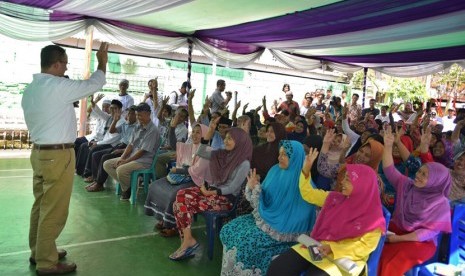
(344, 217)
(426, 207)
(224, 162)
(281, 205)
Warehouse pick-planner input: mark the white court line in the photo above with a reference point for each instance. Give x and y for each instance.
(94, 242)
(16, 176)
(15, 170)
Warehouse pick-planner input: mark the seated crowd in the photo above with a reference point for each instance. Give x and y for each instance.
(325, 169)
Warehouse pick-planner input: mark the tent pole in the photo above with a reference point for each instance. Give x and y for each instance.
(86, 75)
(365, 73)
(189, 67)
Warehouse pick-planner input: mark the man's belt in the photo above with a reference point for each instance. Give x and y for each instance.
(53, 146)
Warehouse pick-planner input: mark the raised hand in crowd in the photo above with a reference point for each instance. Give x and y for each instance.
(191, 95)
(253, 179)
(175, 121)
(345, 111)
(95, 100)
(237, 105)
(425, 140)
(264, 103)
(327, 140)
(244, 108)
(165, 100)
(389, 138)
(212, 128)
(258, 108)
(102, 57)
(309, 160)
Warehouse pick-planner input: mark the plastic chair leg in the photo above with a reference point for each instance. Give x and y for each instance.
(147, 178)
(133, 188)
(118, 189)
(210, 235)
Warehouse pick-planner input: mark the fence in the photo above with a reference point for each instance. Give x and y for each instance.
(15, 139)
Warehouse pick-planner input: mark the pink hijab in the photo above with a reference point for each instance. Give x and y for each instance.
(348, 217)
(199, 168)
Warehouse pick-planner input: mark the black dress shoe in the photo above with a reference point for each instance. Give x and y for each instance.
(60, 268)
(61, 254)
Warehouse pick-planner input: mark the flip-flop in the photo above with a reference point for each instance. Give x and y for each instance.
(185, 254)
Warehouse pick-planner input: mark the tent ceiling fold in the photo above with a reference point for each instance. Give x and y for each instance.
(393, 36)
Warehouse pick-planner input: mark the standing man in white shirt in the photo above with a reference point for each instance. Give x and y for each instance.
(218, 102)
(123, 96)
(48, 110)
(179, 99)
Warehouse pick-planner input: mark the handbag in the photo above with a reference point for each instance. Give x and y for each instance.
(178, 178)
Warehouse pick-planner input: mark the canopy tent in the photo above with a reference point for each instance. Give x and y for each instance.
(396, 37)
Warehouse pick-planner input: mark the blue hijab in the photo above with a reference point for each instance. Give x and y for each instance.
(281, 205)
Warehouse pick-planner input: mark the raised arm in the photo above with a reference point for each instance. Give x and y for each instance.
(190, 107)
(307, 191)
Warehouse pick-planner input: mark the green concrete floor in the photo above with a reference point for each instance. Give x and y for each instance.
(103, 235)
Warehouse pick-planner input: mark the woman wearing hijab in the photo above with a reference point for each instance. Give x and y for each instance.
(280, 215)
(264, 157)
(422, 212)
(404, 161)
(369, 154)
(162, 193)
(300, 131)
(349, 225)
(229, 168)
(457, 191)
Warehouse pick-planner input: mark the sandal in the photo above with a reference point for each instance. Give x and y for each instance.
(179, 254)
(169, 232)
(95, 188)
(89, 179)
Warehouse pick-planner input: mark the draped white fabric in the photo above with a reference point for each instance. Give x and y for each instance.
(144, 44)
(299, 63)
(38, 30)
(415, 70)
(112, 9)
(33, 25)
(224, 58)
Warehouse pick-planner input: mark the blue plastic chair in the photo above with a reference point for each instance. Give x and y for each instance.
(414, 271)
(214, 222)
(147, 174)
(457, 244)
(373, 259)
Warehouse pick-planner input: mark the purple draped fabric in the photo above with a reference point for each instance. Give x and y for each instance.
(337, 18)
(44, 4)
(417, 56)
(237, 48)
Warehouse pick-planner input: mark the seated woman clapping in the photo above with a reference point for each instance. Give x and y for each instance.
(422, 211)
(280, 215)
(349, 225)
(229, 168)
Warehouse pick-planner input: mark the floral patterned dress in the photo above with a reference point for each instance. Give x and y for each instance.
(249, 243)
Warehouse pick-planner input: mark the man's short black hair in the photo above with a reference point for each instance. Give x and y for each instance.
(186, 84)
(219, 82)
(50, 54)
(355, 94)
(117, 103)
